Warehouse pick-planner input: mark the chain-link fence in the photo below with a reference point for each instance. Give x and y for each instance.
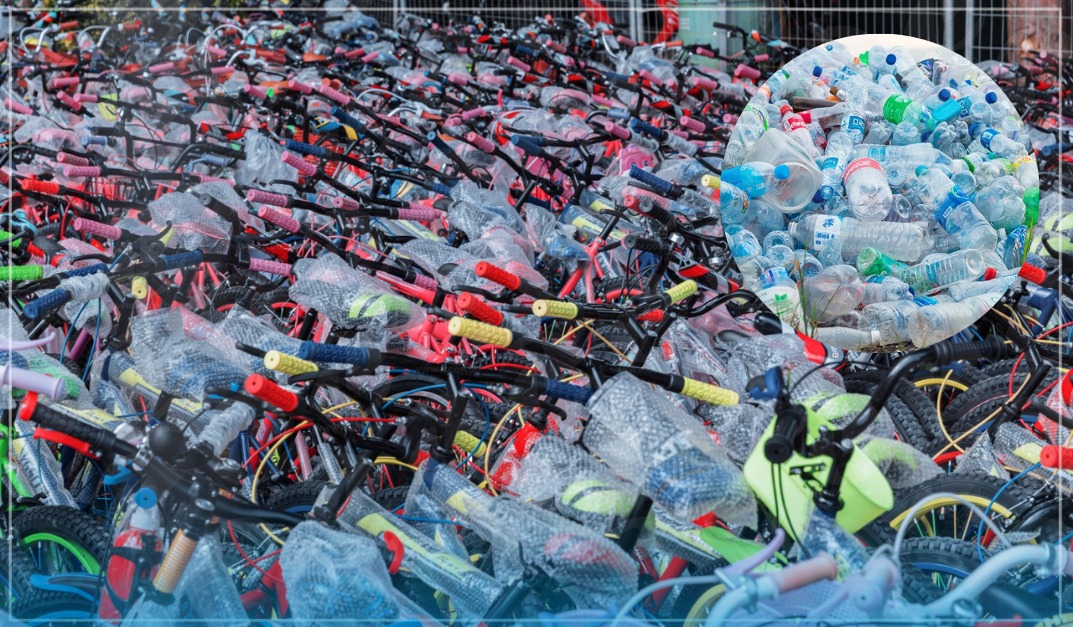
(979, 29)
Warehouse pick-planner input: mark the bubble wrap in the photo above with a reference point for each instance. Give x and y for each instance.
(980, 459)
(500, 243)
(575, 484)
(76, 248)
(431, 256)
(471, 591)
(241, 326)
(421, 505)
(693, 355)
(196, 228)
(902, 465)
(640, 434)
(349, 297)
(332, 574)
(1017, 449)
(263, 164)
(841, 408)
(208, 587)
(222, 427)
(738, 427)
(37, 467)
(593, 570)
(227, 195)
(107, 396)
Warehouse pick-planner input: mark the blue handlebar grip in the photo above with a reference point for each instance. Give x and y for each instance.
(526, 50)
(344, 117)
(180, 260)
(615, 76)
(41, 306)
(215, 160)
(527, 146)
(303, 148)
(94, 269)
(645, 128)
(94, 140)
(617, 114)
(568, 392)
(435, 139)
(650, 180)
(336, 354)
(440, 188)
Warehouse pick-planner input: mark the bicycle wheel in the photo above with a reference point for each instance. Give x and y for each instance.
(972, 410)
(943, 516)
(695, 601)
(48, 608)
(61, 539)
(913, 414)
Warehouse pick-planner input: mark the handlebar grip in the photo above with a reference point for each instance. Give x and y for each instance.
(643, 244)
(519, 64)
(1033, 273)
(526, 50)
(65, 98)
(555, 309)
(67, 158)
(21, 273)
(17, 106)
(216, 160)
(105, 231)
(32, 411)
(1055, 456)
(480, 332)
(949, 352)
(565, 391)
(640, 126)
(471, 114)
(682, 291)
(469, 443)
(482, 144)
(40, 187)
(87, 270)
(821, 567)
(744, 71)
(694, 125)
(760, 58)
(267, 390)
(81, 171)
(420, 215)
(267, 198)
(556, 46)
(31, 381)
(64, 81)
(707, 393)
(369, 58)
(161, 67)
(527, 146)
(50, 301)
(342, 202)
(180, 260)
(479, 309)
(705, 83)
(304, 168)
(270, 267)
(616, 131)
(498, 275)
(288, 364)
(336, 354)
(650, 180)
(615, 76)
(280, 219)
(303, 148)
(333, 94)
(651, 78)
(299, 87)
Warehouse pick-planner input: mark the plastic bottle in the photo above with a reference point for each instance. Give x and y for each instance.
(835, 291)
(781, 295)
(142, 527)
(833, 165)
(797, 130)
(880, 289)
(756, 178)
(871, 262)
(934, 323)
(962, 291)
(1002, 203)
(889, 320)
(911, 153)
(994, 141)
(944, 270)
(867, 190)
(953, 211)
(902, 241)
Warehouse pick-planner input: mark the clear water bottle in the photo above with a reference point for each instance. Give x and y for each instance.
(888, 320)
(756, 178)
(905, 134)
(911, 153)
(833, 165)
(834, 292)
(934, 323)
(902, 241)
(867, 190)
(750, 126)
(781, 294)
(943, 270)
(797, 130)
(963, 291)
(881, 289)
(961, 218)
(1002, 203)
(1013, 247)
(994, 141)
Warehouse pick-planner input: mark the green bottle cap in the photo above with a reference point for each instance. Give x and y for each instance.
(871, 262)
(1031, 199)
(863, 57)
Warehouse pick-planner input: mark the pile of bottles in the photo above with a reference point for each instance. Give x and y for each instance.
(877, 200)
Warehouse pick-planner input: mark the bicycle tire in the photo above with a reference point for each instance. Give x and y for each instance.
(913, 413)
(296, 498)
(48, 608)
(695, 601)
(977, 489)
(972, 407)
(72, 529)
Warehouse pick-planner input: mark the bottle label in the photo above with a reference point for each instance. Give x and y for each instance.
(830, 163)
(857, 164)
(946, 209)
(987, 136)
(924, 301)
(828, 229)
(876, 278)
(794, 123)
(854, 123)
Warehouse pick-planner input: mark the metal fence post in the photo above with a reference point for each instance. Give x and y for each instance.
(948, 24)
(970, 29)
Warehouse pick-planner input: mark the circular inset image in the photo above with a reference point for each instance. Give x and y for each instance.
(879, 193)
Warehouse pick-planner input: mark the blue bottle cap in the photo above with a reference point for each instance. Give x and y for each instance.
(944, 94)
(975, 129)
(990, 97)
(891, 59)
(921, 169)
(782, 172)
(145, 498)
(817, 71)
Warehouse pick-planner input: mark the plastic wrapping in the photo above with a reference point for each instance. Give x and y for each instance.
(349, 297)
(37, 467)
(241, 326)
(639, 433)
(332, 574)
(471, 591)
(263, 164)
(738, 427)
(902, 465)
(980, 459)
(454, 265)
(593, 569)
(224, 426)
(195, 227)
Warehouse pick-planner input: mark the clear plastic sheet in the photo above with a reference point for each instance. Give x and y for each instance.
(640, 433)
(332, 574)
(195, 227)
(263, 164)
(902, 465)
(349, 297)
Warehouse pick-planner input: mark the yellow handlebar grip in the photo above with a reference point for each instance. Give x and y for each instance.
(480, 332)
(682, 291)
(288, 364)
(708, 393)
(470, 444)
(139, 287)
(555, 309)
(710, 180)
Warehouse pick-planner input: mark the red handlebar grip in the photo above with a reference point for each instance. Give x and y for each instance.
(1033, 273)
(747, 72)
(508, 280)
(656, 315)
(479, 310)
(65, 81)
(271, 393)
(705, 83)
(66, 99)
(481, 143)
(1055, 456)
(41, 187)
(297, 86)
(161, 67)
(17, 107)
